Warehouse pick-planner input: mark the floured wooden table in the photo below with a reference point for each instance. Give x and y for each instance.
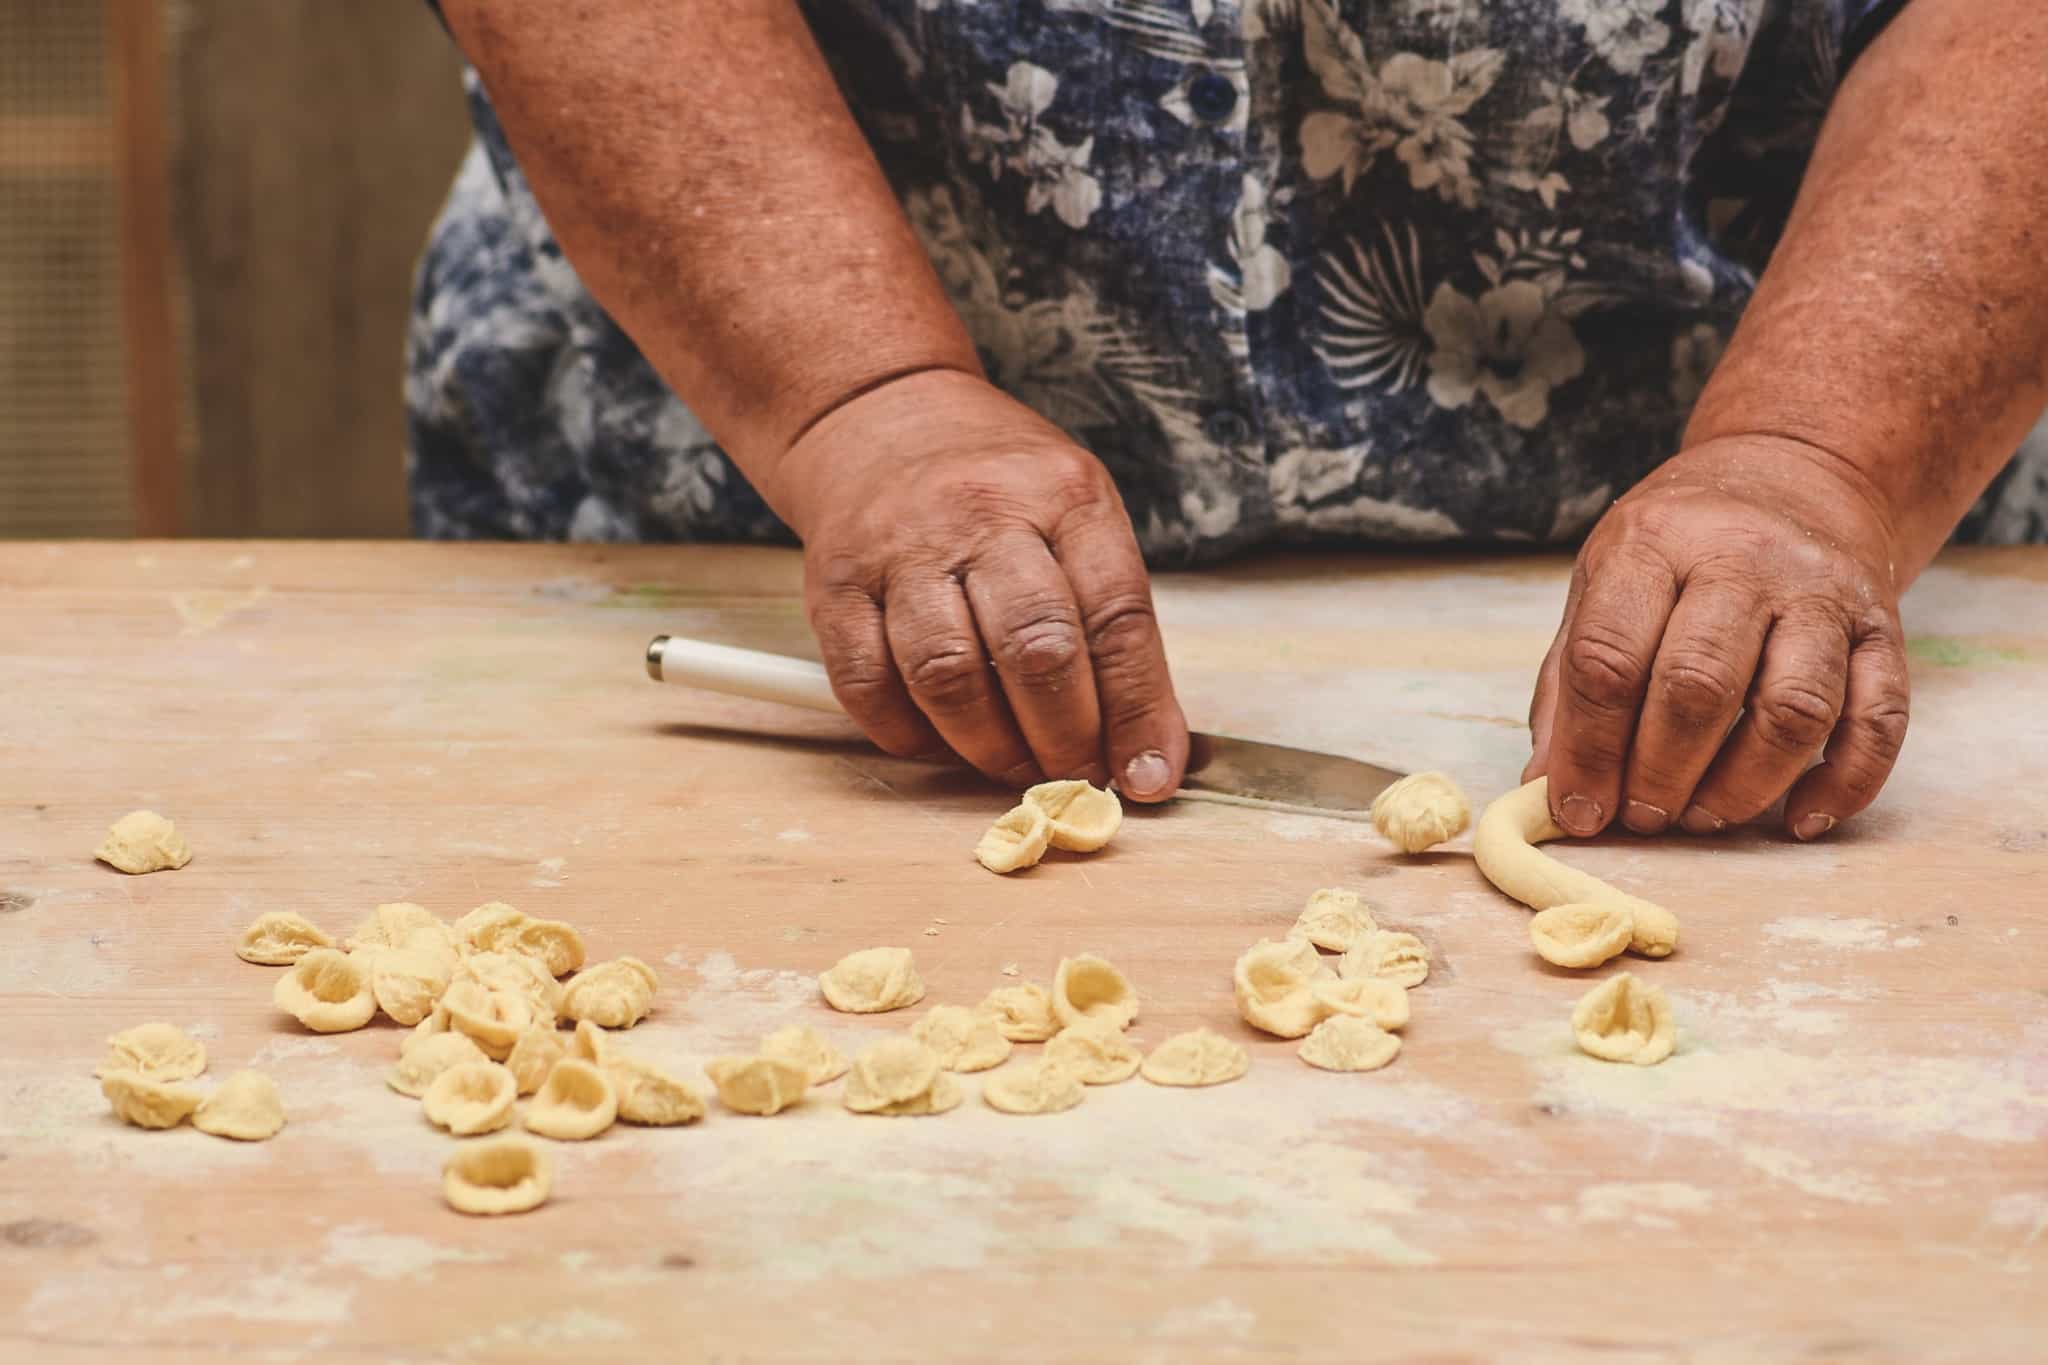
(1848, 1158)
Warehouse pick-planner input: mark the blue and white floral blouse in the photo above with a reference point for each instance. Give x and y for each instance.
(1444, 270)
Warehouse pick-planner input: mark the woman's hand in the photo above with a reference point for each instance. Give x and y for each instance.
(1730, 619)
(975, 586)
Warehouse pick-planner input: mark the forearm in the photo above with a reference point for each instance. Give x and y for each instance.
(701, 172)
(1901, 330)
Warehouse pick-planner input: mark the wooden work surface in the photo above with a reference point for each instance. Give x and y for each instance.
(1847, 1159)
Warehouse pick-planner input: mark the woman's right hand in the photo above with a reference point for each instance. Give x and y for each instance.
(975, 586)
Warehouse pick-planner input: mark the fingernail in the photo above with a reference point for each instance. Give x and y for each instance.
(1813, 826)
(1579, 814)
(1700, 820)
(1642, 816)
(1146, 774)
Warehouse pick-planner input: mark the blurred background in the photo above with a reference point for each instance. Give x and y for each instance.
(209, 215)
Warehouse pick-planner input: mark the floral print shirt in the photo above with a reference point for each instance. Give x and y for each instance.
(1383, 270)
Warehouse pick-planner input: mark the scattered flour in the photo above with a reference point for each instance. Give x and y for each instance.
(389, 1256)
(1711, 1082)
(2026, 1210)
(796, 834)
(1646, 1204)
(285, 1296)
(286, 1046)
(1828, 932)
(1822, 1183)
(573, 1327)
(1219, 1318)
(1137, 1178)
(550, 870)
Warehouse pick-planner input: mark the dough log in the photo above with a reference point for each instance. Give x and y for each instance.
(1504, 847)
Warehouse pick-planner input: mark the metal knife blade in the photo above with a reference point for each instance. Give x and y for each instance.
(1247, 769)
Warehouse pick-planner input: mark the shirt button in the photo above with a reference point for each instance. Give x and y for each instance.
(1226, 427)
(1212, 96)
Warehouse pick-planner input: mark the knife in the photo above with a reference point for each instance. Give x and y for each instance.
(1220, 767)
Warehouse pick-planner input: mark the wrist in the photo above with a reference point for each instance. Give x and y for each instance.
(883, 421)
(1819, 486)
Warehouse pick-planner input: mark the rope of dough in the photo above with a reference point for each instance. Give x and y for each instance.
(1503, 844)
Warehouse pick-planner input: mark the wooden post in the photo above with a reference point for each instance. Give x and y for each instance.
(140, 112)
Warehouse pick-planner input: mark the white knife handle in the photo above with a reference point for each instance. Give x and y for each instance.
(741, 672)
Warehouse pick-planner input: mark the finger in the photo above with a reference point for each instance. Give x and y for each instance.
(1543, 701)
(1703, 670)
(855, 648)
(1145, 734)
(1865, 745)
(939, 651)
(1792, 709)
(1027, 614)
(1602, 671)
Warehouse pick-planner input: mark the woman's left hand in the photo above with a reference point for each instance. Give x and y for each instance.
(1729, 620)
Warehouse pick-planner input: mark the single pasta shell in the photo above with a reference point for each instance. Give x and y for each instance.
(1087, 987)
(1397, 957)
(1023, 1013)
(890, 1071)
(422, 1057)
(161, 1052)
(872, 981)
(1334, 919)
(470, 1098)
(1623, 1020)
(943, 1095)
(1348, 1042)
(650, 1096)
(1421, 811)
(1371, 997)
(1017, 840)
(964, 1039)
(504, 1175)
(1096, 1052)
(1275, 990)
(1082, 817)
(615, 994)
(280, 938)
(756, 1085)
(143, 841)
(327, 991)
(147, 1103)
(1040, 1086)
(1581, 933)
(246, 1108)
(1198, 1057)
(803, 1046)
(574, 1103)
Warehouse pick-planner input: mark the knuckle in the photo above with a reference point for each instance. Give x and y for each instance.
(948, 674)
(1123, 623)
(860, 679)
(1883, 731)
(1601, 672)
(1043, 650)
(1795, 717)
(1699, 692)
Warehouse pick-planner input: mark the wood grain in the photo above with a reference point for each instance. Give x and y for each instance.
(1847, 1159)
